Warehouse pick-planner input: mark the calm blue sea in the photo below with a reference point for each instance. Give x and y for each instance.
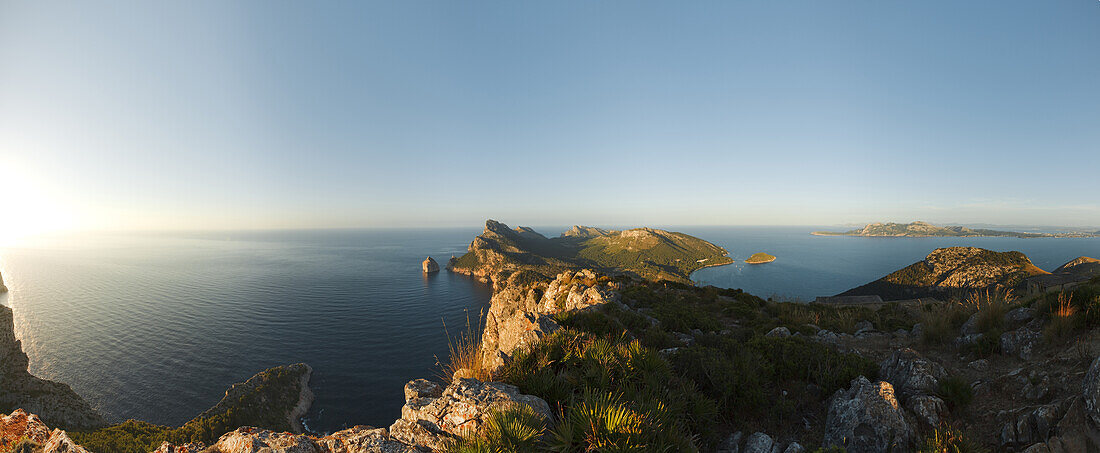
(156, 327)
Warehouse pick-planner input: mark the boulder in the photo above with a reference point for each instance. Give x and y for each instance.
(1032, 425)
(928, 409)
(866, 418)
(761, 443)
(864, 327)
(778, 332)
(430, 266)
(910, 373)
(254, 440)
(1020, 342)
(1019, 316)
(362, 439)
(429, 421)
(21, 427)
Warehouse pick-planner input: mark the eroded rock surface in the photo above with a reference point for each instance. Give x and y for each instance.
(866, 418)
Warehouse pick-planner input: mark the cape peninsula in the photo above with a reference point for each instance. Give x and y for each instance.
(641, 252)
(924, 230)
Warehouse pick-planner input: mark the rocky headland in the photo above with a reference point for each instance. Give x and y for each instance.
(641, 252)
(924, 229)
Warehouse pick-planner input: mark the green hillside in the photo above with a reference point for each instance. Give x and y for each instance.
(644, 252)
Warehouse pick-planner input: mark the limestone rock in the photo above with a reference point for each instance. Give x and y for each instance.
(928, 409)
(778, 332)
(430, 266)
(1032, 425)
(1020, 342)
(20, 426)
(362, 439)
(1091, 392)
(1019, 316)
(761, 443)
(910, 373)
(451, 263)
(3, 289)
(422, 388)
(521, 314)
(866, 418)
(195, 447)
(794, 447)
(429, 421)
(254, 440)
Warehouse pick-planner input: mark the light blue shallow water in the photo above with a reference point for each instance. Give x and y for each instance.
(156, 327)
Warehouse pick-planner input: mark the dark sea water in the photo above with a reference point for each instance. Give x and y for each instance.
(156, 327)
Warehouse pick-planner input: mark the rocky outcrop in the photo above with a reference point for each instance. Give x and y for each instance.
(429, 419)
(520, 315)
(953, 271)
(430, 266)
(27, 429)
(866, 418)
(3, 289)
(910, 373)
(56, 403)
(451, 263)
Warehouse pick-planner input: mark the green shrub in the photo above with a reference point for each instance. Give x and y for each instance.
(131, 436)
(513, 430)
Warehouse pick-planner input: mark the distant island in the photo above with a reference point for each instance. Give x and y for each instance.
(760, 258)
(924, 230)
(642, 252)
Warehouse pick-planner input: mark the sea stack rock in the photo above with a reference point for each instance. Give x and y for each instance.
(4, 289)
(430, 266)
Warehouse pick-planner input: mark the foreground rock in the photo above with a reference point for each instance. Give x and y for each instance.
(430, 266)
(23, 430)
(56, 403)
(520, 314)
(431, 416)
(866, 418)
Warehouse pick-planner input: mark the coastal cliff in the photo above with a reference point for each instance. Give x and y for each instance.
(56, 403)
(641, 252)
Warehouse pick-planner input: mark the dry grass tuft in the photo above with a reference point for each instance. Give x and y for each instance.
(1064, 318)
(465, 354)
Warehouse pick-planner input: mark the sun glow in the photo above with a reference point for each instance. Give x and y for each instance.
(29, 206)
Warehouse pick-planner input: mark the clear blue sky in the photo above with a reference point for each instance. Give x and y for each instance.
(212, 114)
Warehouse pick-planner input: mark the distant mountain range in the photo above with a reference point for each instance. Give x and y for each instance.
(924, 229)
(644, 252)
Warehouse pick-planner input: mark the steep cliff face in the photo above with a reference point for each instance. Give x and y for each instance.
(56, 403)
(953, 271)
(642, 252)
